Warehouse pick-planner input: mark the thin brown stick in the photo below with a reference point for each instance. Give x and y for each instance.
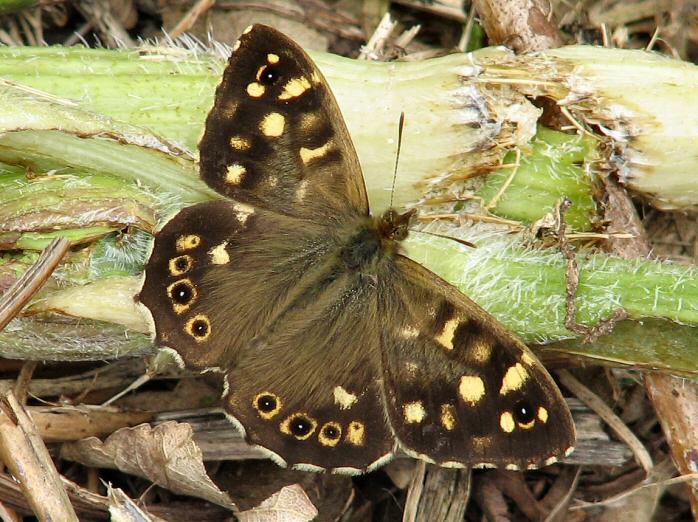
(26, 286)
(605, 326)
(189, 19)
(26, 456)
(588, 397)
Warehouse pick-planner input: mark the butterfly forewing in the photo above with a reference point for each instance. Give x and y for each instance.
(275, 137)
(460, 390)
(220, 271)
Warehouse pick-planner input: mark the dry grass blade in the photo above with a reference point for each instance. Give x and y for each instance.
(26, 286)
(26, 456)
(615, 423)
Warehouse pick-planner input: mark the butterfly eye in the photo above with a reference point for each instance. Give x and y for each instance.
(269, 75)
(523, 413)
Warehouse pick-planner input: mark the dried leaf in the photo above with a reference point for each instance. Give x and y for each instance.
(166, 455)
(289, 504)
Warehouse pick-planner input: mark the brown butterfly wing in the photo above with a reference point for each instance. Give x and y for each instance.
(460, 389)
(219, 272)
(275, 137)
(308, 388)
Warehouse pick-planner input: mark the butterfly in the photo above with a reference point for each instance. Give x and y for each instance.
(336, 348)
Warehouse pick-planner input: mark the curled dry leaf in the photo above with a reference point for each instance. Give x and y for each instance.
(289, 504)
(165, 454)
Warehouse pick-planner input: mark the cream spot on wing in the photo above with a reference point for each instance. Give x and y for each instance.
(229, 109)
(308, 155)
(448, 416)
(506, 422)
(243, 212)
(219, 255)
(240, 143)
(511, 467)
(445, 338)
(255, 89)
(302, 189)
(411, 368)
(414, 412)
(248, 29)
(514, 378)
(315, 78)
(481, 444)
(569, 451)
(187, 242)
(273, 58)
(481, 350)
(236, 45)
(234, 173)
(343, 398)
(294, 88)
(542, 415)
(551, 460)
(471, 388)
(409, 332)
(356, 433)
(527, 359)
(272, 125)
(309, 120)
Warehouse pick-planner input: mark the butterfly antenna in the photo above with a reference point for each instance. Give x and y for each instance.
(400, 126)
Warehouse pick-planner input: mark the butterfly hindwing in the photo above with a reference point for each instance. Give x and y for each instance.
(309, 389)
(460, 390)
(275, 137)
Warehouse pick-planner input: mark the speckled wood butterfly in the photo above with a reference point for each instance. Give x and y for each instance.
(336, 348)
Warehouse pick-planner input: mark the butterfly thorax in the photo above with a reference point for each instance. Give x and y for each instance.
(374, 239)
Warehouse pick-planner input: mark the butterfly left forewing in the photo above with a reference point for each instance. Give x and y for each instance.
(275, 137)
(460, 390)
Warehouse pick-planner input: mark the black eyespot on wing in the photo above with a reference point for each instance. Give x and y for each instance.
(267, 403)
(301, 426)
(182, 293)
(200, 328)
(524, 413)
(269, 76)
(331, 432)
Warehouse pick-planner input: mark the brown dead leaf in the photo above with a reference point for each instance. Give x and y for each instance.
(166, 455)
(289, 504)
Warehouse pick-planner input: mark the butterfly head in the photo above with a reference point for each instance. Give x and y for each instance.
(395, 226)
